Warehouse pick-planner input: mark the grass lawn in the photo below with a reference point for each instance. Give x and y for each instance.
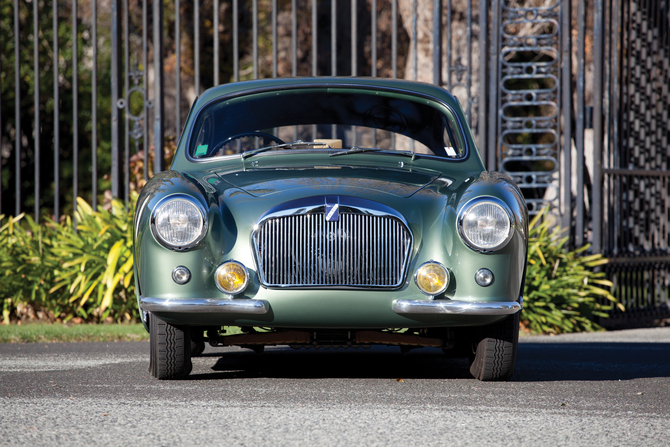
(46, 332)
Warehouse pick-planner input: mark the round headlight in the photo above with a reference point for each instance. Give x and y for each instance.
(485, 224)
(432, 278)
(178, 222)
(231, 277)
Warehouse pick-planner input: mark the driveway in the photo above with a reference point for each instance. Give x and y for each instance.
(576, 389)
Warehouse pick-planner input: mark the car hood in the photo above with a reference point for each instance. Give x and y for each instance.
(262, 182)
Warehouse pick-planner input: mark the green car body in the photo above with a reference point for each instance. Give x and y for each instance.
(422, 193)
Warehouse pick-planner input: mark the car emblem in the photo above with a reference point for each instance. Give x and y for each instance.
(332, 211)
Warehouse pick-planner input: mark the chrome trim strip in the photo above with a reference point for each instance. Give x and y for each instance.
(454, 307)
(203, 305)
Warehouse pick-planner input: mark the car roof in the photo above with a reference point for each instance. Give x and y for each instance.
(331, 81)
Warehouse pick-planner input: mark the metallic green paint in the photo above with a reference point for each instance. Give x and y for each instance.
(427, 191)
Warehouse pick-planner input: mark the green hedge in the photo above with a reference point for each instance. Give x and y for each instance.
(88, 273)
(85, 272)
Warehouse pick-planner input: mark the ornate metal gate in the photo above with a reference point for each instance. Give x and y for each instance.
(536, 116)
(636, 159)
(529, 98)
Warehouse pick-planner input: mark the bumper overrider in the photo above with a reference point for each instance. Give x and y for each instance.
(259, 307)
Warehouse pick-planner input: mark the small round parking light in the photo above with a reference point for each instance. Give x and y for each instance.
(231, 277)
(432, 278)
(484, 277)
(181, 275)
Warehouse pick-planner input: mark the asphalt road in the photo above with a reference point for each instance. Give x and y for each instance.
(582, 389)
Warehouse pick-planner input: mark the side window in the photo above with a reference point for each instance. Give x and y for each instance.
(454, 146)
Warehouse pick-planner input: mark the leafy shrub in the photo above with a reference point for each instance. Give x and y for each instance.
(84, 272)
(26, 265)
(563, 292)
(97, 267)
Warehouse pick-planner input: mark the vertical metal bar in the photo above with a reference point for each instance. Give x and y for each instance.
(373, 49)
(159, 158)
(196, 42)
(566, 106)
(236, 42)
(126, 89)
(354, 41)
(468, 52)
(36, 102)
(294, 49)
(1, 141)
(492, 147)
(449, 41)
(54, 5)
(294, 37)
(483, 70)
(333, 39)
(415, 46)
(17, 113)
(274, 38)
(217, 10)
(394, 50)
(145, 77)
(616, 115)
(314, 39)
(373, 57)
(579, 131)
(255, 37)
(94, 102)
(75, 106)
(315, 55)
(394, 42)
(116, 78)
(437, 42)
(177, 43)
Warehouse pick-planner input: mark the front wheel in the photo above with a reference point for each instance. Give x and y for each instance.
(495, 353)
(170, 350)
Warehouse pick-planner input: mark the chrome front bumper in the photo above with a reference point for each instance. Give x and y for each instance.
(457, 307)
(199, 306)
(258, 307)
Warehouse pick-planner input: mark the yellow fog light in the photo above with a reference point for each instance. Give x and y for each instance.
(231, 277)
(432, 278)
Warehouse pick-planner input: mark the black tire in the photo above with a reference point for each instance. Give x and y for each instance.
(495, 354)
(197, 348)
(170, 350)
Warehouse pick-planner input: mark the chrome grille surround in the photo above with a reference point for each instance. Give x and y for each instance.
(368, 246)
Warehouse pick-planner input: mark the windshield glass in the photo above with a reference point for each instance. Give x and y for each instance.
(327, 119)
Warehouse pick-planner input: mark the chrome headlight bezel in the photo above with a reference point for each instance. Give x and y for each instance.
(192, 201)
(462, 214)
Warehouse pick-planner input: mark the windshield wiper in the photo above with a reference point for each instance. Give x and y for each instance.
(253, 152)
(360, 150)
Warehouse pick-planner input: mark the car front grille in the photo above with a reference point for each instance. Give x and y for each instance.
(358, 250)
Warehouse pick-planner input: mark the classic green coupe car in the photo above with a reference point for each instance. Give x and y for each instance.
(321, 212)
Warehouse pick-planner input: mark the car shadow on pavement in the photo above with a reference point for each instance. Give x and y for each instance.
(536, 362)
(376, 362)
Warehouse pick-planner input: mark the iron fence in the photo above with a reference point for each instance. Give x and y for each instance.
(93, 96)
